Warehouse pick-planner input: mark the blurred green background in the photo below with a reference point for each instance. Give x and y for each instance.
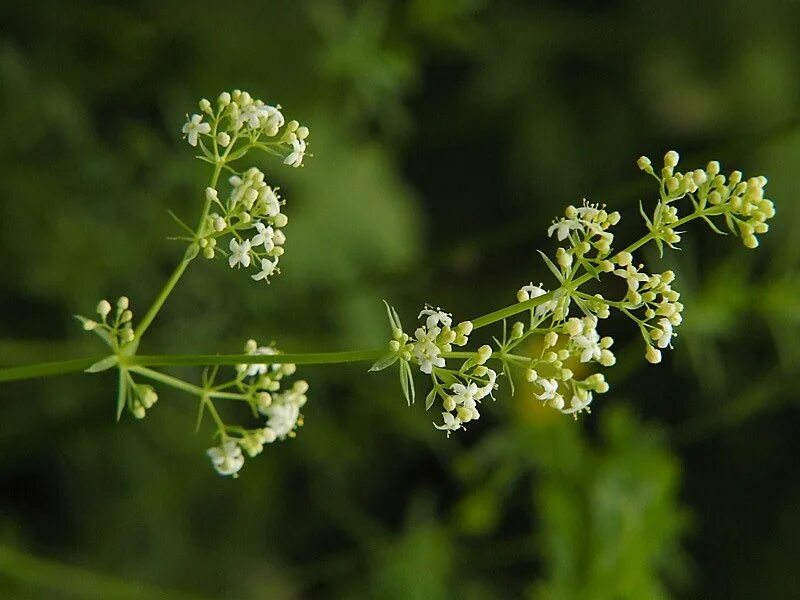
(446, 135)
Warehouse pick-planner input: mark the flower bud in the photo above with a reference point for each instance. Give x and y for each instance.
(671, 159)
(223, 139)
(564, 259)
(653, 355)
(623, 259)
(484, 353)
(574, 327)
(103, 308)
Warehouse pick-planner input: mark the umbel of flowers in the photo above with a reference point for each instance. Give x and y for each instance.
(567, 319)
(243, 220)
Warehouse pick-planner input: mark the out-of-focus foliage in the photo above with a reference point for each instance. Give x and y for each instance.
(446, 135)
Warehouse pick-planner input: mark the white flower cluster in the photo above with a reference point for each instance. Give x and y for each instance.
(435, 337)
(241, 119)
(566, 340)
(742, 203)
(460, 400)
(460, 391)
(587, 229)
(260, 384)
(252, 217)
(654, 296)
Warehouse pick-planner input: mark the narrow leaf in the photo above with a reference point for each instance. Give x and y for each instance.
(644, 215)
(122, 394)
(180, 223)
(404, 382)
(384, 362)
(430, 398)
(103, 365)
(714, 228)
(389, 311)
(554, 269)
(412, 390)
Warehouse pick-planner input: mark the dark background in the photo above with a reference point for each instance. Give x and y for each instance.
(446, 135)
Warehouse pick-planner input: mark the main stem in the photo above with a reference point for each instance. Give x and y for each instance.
(318, 358)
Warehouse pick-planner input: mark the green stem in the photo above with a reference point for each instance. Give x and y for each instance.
(306, 358)
(47, 369)
(133, 362)
(178, 272)
(514, 309)
(183, 385)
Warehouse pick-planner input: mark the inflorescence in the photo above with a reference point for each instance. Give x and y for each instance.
(565, 320)
(556, 345)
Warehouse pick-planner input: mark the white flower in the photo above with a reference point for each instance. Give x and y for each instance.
(425, 350)
(667, 333)
(487, 389)
(271, 201)
(550, 387)
(563, 227)
(588, 211)
(577, 405)
(451, 423)
(194, 127)
(589, 344)
(240, 253)
(464, 393)
(267, 269)
(632, 276)
(295, 159)
(264, 237)
(273, 120)
(435, 317)
(249, 114)
(261, 369)
(226, 458)
(530, 291)
(283, 418)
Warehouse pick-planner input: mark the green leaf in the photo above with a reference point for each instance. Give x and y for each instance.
(430, 398)
(554, 269)
(644, 215)
(660, 245)
(103, 365)
(396, 318)
(407, 383)
(181, 223)
(391, 314)
(191, 252)
(589, 268)
(122, 393)
(714, 228)
(384, 362)
(507, 371)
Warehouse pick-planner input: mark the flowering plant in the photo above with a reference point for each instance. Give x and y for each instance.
(242, 219)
